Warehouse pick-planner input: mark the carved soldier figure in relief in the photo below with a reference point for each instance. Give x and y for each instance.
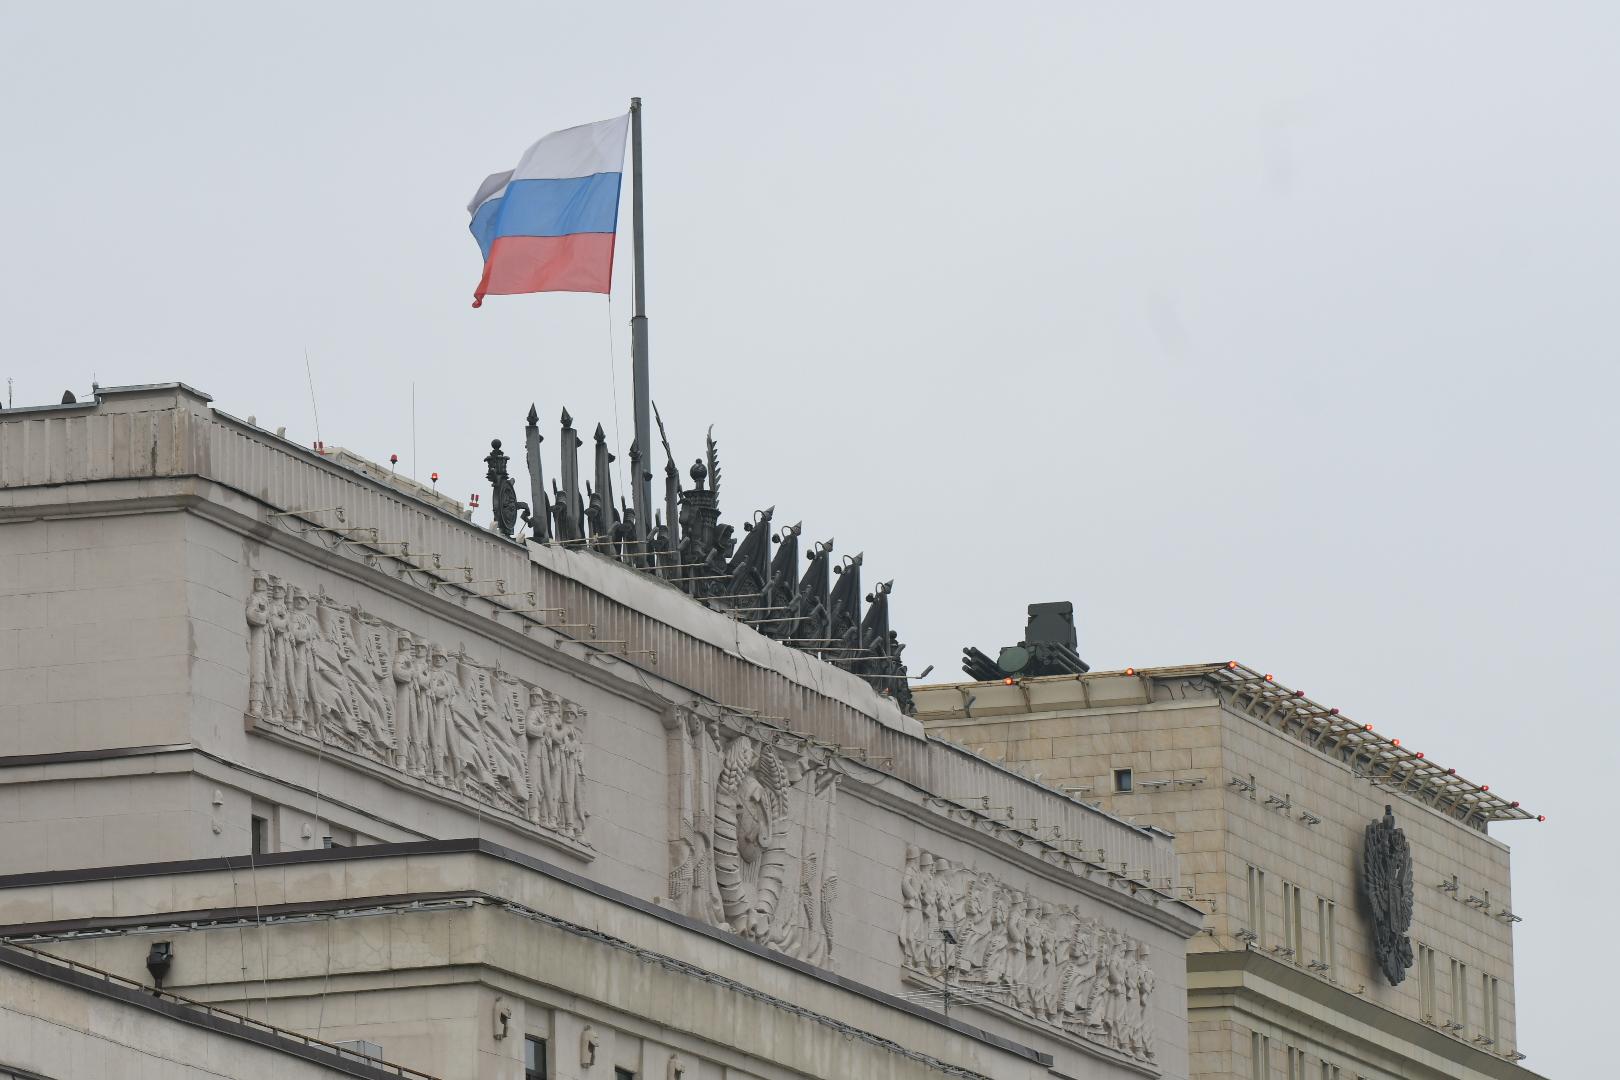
(542, 809)
(911, 918)
(422, 699)
(280, 644)
(408, 753)
(572, 804)
(440, 686)
(304, 632)
(512, 746)
(466, 733)
(258, 619)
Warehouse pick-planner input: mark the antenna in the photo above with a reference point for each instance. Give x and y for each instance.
(413, 429)
(309, 374)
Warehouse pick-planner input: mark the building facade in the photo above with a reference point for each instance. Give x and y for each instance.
(1359, 914)
(302, 773)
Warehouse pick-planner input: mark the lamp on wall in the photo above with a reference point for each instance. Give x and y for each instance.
(158, 961)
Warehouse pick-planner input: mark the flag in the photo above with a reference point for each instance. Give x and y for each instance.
(548, 225)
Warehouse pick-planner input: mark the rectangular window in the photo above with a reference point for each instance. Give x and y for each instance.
(260, 835)
(1122, 780)
(1491, 1002)
(1257, 905)
(1293, 928)
(1459, 998)
(1427, 991)
(1259, 1057)
(534, 1059)
(623, 1074)
(1327, 941)
(1330, 1072)
(1296, 1064)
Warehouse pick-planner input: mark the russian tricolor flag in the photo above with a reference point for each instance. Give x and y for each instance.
(548, 225)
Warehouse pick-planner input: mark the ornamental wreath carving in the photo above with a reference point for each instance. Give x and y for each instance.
(335, 676)
(994, 944)
(754, 822)
(1387, 881)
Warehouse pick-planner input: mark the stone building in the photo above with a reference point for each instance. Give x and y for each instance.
(1333, 947)
(304, 774)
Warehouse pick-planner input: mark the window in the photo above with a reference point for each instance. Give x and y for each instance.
(1491, 1002)
(260, 830)
(1327, 947)
(1122, 780)
(1293, 930)
(1257, 904)
(1296, 1064)
(1459, 998)
(1330, 1072)
(534, 1059)
(1426, 987)
(1259, 1057)
(623, 1074)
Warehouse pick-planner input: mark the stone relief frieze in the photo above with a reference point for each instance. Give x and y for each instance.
(338, 676)
(755, 820)
(991, 943)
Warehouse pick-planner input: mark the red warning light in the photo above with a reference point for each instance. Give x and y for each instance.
(1130, 671)
(1232, 664)
(1008, 681)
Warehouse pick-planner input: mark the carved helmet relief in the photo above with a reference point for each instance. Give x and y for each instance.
(338, 677)
(1007, 949)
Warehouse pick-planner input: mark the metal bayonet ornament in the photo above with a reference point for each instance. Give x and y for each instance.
(539, 507)
(569, 507)
(1387, 883)
(602, 514)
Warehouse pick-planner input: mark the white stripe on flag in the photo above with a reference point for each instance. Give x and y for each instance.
(576, 151)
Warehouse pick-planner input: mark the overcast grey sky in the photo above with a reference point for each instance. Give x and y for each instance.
(1277, 332)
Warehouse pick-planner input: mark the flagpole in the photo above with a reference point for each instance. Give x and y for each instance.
(640, 490)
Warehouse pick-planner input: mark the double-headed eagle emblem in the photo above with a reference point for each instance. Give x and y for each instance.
(1387, 882)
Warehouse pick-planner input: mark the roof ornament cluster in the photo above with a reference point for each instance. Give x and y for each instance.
(688, 546)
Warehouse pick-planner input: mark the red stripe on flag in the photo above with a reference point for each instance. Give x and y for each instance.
(582, 262)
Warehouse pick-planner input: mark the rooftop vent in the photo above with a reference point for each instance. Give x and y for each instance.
(1048, 648)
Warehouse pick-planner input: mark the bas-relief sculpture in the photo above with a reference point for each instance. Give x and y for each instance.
(1042, 960)
(754, 818)
(330, 673)
(1387, 882)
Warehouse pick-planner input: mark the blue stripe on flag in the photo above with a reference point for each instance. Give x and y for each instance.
(586, 204)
